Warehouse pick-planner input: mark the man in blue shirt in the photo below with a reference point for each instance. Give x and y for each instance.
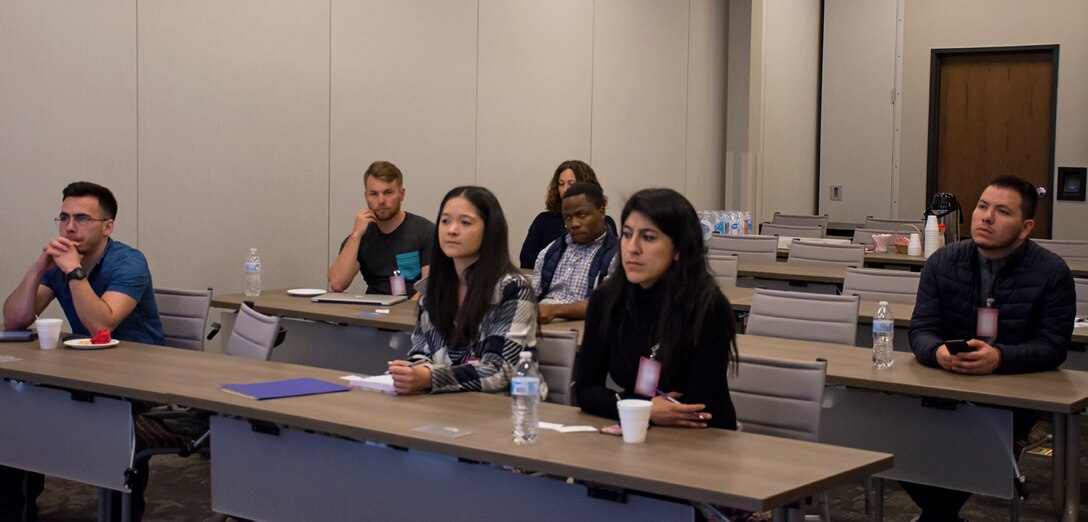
(100, 283)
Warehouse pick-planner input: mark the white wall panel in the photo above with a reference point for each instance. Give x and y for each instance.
(640, 73)
(234, 123)
(706, 103)
(222, 126)
(403, 90)
(535, 89)
(791, 79)
(857, 116)
(738, 181)
(67, 113)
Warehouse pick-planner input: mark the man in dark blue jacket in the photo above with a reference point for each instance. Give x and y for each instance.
(1012, 300)
(569, 268)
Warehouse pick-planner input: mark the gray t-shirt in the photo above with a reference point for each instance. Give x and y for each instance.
(408, 249)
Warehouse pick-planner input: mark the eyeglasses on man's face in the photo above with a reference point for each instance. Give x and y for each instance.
(81, 220)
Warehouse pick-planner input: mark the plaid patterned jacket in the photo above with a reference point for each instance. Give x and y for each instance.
(508, 327)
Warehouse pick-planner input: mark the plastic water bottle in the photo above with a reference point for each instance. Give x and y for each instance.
(735, 220)
(525, 389)
(253, 273)
(883, 334)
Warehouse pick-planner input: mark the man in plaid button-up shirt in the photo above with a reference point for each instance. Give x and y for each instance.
(571, 266)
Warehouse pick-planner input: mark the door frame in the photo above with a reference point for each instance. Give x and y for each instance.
(935, 112)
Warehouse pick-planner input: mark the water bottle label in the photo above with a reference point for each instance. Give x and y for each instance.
(253, 267)
(525, 386)
(883, 326)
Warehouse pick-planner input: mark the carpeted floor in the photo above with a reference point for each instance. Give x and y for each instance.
(180, 490)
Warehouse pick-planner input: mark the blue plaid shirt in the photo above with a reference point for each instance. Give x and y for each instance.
(508, 327)
(570, 283)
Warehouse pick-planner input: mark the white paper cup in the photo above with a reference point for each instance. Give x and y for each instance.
(914, 247)
(48, 332)
(634, 418)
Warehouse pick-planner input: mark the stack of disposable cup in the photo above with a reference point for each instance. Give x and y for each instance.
(932, 233)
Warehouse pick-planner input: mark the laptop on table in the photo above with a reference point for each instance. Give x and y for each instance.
(363, 299)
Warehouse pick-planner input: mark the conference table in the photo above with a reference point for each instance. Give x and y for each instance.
(401, 318)
(1079, 267)
(360, 338)
(879, 259)
(741, 300)
(945, 429)
(868, 398)
(794, 272)
(360, 454)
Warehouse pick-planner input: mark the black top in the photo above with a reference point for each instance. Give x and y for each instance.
(1033, 292)
(547, 227)
(633, 332)
(407, 249)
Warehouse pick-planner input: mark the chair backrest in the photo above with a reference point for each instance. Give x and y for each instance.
(1066, 249)
(779, 397)
(801, 315)
(1082, 297)
(723, 268)
(778, 229)
(864, 235)
(184, 316)
(875, 284)
(890, 224)
(758, 248)
(826, 253)
(254, 334)
(555, 357)
(799, 220)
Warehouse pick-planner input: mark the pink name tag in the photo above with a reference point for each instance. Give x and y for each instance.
(987, 323)
(397, 285)
(649, 372)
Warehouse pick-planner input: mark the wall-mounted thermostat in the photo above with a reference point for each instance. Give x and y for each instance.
(1071, 183)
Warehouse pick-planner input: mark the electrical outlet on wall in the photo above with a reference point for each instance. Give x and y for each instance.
(836, 192)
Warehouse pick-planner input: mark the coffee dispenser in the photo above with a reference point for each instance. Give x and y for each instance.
(947, 209)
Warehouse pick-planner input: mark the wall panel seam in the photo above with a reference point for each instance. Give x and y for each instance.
(687, 105)
(137, 22)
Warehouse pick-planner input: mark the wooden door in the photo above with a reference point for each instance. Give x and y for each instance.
(994, 115)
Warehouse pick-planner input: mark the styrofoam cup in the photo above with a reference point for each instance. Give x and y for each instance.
(634, 418)
(48, 332)
(914, 247)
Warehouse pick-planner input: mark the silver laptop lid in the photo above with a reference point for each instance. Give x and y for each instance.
(367, 299)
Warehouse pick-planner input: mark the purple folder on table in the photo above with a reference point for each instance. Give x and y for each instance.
(285, 388)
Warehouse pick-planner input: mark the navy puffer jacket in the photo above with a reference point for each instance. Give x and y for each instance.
(1034, 295)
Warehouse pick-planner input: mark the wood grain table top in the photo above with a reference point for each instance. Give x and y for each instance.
(743, 470)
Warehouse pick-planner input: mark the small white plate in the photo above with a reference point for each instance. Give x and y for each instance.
(86, 344)
(306, 292)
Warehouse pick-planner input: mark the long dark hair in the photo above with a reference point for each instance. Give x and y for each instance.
(582, 172)
(460, 324)
(689, 288)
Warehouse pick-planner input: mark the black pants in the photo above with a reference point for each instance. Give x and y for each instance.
(943, 505)
(19, 491)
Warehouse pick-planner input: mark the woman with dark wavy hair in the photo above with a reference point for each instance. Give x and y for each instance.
(477, 312)
(660, 303)
(548, 225)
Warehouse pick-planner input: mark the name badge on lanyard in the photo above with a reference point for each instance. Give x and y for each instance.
(649, 373)
(986, 328)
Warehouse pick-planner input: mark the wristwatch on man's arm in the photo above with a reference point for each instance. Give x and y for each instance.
(76, 274)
